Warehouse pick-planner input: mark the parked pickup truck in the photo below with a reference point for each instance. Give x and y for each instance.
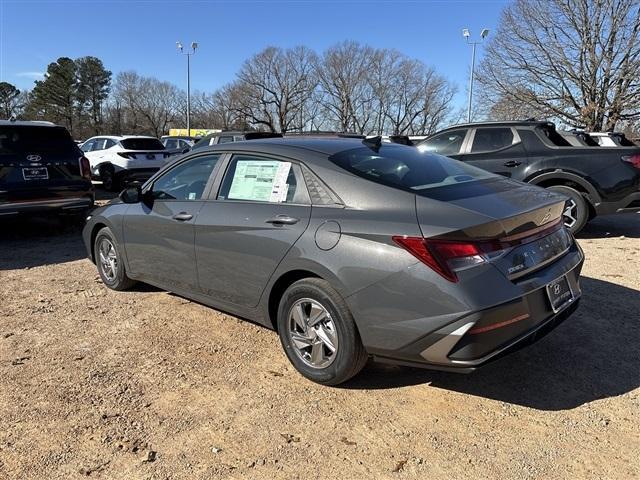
(597, 180)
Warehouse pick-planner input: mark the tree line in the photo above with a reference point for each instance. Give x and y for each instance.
(350, 87)
(573, 61)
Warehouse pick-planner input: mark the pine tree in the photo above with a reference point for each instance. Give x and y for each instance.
(93, 86)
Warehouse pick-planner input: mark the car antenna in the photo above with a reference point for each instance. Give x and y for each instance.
(373, 142)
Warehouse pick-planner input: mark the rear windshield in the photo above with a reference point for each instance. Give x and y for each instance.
(407, 168)
(142, 144)
(23, 140)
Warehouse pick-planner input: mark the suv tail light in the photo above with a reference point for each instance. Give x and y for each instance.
(127, 154)
(85, 167)
(448, 256)
(632, 159)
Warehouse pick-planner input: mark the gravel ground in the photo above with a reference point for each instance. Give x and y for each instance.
(145, 384)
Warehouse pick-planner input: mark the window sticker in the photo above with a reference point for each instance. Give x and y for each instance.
(261, 181)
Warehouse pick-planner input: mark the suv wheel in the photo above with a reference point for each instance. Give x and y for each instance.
(108, 258)
(108, 177)
(318, 333)
(576, 212)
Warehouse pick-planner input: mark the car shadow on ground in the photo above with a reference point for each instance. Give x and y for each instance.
(32, 241)
(593, 355)
(618, 225)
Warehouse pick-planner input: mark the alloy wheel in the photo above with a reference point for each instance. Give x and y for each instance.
(313, 333)
(570, 213)
(108, 259)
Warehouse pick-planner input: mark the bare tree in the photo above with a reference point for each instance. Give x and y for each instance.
(575, 60)
(273, 86)
(143, 105)
(344, 74)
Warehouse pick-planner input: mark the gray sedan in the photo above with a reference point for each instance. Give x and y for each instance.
(349, 249)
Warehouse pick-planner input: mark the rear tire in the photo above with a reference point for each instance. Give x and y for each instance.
(110, 181)
(109, 260)
(576, 213)
(318, 333)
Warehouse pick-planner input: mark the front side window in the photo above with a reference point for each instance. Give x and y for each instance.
(171, 143)
(187, 180)
(87, 146)
(263, 180)
(98, 144)
(446, 143)
(491, 139)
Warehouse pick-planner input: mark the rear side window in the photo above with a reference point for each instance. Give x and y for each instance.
(186, 181)
(142, 144)
(258, 179)
(445, 143)
(225, 139)
(552, 136)
(407, 168)
(491, 139)
(24, 140)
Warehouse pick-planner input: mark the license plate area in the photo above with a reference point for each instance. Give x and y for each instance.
(559, 293)
(35, 173)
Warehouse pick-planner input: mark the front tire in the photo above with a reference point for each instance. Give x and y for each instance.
(318, 333)
(576, 212)
(108, 257)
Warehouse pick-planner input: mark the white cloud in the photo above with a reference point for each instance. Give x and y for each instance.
(33, 75)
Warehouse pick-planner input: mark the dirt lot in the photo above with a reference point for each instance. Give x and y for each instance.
(145, 384)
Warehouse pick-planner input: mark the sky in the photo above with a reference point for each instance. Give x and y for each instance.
(141, 35)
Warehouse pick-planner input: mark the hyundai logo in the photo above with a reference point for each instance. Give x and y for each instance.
(34, 158)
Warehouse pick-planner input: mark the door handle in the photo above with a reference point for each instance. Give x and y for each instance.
(283, 220)
(512, 163)
(182, 216)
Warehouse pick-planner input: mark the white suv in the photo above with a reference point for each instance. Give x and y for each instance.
(117, 159)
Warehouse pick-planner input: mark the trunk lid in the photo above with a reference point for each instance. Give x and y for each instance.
(525, 220)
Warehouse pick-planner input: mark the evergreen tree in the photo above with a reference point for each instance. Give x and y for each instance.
(93, 86)
(9, 100)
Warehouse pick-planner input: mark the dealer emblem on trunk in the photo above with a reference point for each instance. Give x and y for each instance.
(34, 158)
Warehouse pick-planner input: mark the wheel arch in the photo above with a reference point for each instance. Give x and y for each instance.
(568, 179)
(94, 233)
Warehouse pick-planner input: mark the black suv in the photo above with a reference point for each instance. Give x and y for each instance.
(597, 180)
(42, 169)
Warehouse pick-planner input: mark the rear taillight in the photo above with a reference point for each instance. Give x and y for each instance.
(442, 256)
(127, 154)
(447, 257)
(632, 159)
(85, 168)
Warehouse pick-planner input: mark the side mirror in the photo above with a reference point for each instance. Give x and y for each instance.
(131, 194)
(185, 150)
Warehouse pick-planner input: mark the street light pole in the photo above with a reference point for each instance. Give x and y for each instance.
(194, 45)
(466, 34)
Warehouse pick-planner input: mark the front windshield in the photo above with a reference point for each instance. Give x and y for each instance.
(407, 168)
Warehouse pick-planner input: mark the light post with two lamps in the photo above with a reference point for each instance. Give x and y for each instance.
(194, 45)
(466, 35)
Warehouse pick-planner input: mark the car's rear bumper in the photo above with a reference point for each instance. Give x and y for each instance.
(470, 328)
(66, 205)
(630, 203)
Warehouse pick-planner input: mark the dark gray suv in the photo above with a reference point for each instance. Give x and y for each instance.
(349, 248)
